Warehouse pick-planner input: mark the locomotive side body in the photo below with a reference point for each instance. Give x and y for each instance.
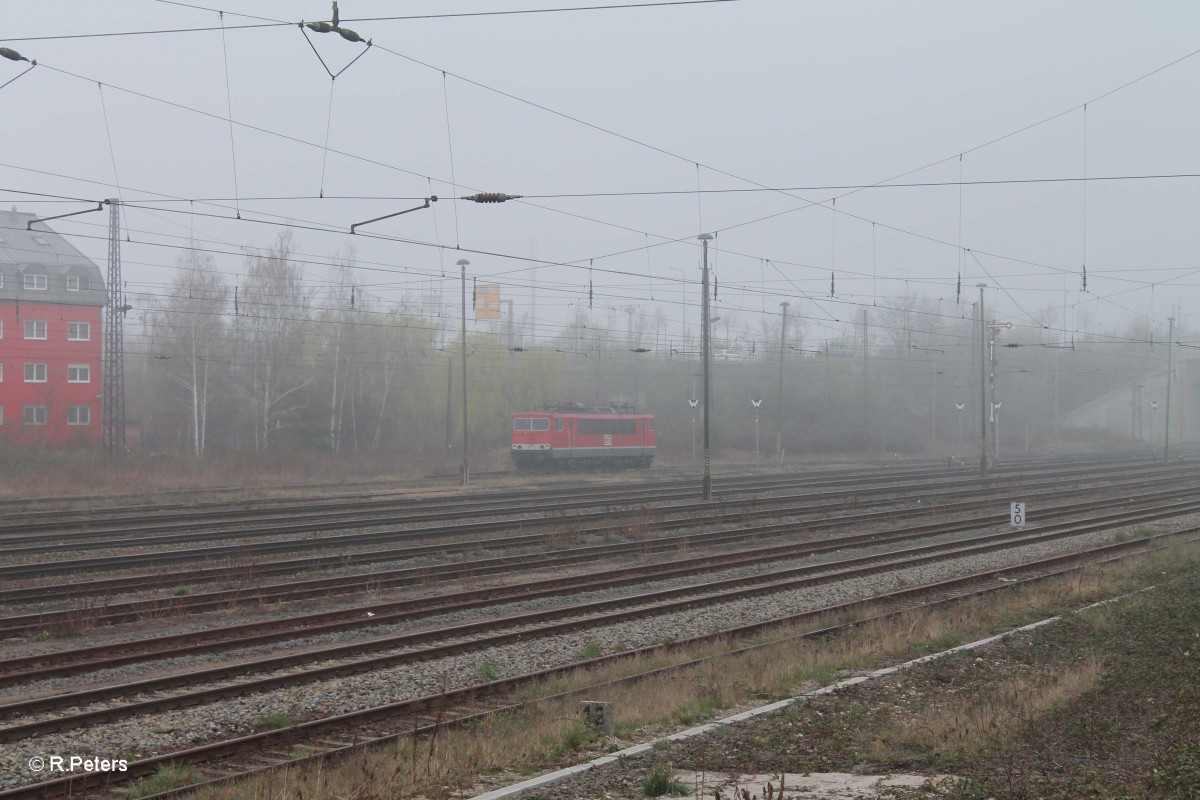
(571, 436)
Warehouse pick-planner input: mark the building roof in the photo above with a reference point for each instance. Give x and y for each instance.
(41, 251)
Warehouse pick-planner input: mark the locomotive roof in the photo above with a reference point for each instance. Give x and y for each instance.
(585, 408)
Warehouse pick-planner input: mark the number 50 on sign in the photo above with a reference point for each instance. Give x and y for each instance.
(1017, 511)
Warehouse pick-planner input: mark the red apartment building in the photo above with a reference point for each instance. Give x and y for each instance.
(51, 296)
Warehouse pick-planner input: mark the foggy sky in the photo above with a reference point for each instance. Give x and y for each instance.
(759, 92)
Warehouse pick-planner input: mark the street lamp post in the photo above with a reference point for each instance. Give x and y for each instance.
(983, 404)
(996, 431)
(693, 403)
(1167, 412)
(958, 446)
(756, 404)
(466, 474)
(779, 403)
(705, 238)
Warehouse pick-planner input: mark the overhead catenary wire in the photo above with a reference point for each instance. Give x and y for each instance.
(675, 192)
(988, 143)
(450, 149)
(609, 255)
(392, 18)
(697, 162)
(18, 76)
(229, 112)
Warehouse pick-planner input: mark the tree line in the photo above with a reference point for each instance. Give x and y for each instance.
(268, 365)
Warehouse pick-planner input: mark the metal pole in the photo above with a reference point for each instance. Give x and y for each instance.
(705, 237)
(995, 408)
(779, 404)
(466, 474)
(1167, 423)
(112, 411)
(983, 409)
(693, 435)
(933, 409)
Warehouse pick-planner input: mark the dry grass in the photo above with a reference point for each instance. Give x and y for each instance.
(986, 721)
(66, 473)
(458, 761)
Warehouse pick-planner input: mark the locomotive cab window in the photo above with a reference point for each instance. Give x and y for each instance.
(541, 424)
(558, 424)
(526, 424)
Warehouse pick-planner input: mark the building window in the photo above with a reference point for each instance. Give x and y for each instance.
(35, 329)
(35, 281)
(79, 331)
(79, 373)
(35, 415)
(78, 283)
(79, 415)
(35, 373)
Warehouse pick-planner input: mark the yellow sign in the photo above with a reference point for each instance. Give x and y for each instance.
(487, 301)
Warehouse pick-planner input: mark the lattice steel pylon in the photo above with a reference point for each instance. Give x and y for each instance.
(112, 429)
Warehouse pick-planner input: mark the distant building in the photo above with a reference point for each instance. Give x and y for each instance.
(50, 337)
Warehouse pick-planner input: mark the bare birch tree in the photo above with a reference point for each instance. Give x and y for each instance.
(194, 322)
(272, 314)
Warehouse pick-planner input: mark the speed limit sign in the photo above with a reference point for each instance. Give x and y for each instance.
(1018, 514)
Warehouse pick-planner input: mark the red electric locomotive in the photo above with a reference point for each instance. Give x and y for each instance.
(579, 436)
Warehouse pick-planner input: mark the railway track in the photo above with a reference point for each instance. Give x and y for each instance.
(667, 519)
(1156, 494)
(205, 521)
(339, 660)
(247, 755)
(75, 661)
(40, 561)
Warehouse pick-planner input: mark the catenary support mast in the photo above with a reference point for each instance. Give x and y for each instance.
(112, 430)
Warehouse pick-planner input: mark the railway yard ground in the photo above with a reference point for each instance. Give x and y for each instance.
(383, 644)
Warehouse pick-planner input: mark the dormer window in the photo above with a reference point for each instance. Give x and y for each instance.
(78, 283)
(36, 282)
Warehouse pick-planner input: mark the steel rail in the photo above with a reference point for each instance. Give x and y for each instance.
(192, 603)
(60, 663)
(325, 732)
(547, 621)
(45, 568)
(152, 519)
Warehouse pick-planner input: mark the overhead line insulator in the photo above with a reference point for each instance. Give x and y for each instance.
(491, 197)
